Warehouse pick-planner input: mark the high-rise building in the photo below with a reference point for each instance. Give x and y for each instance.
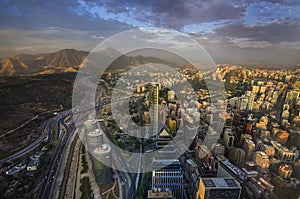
(90, 125)
(251, 101)
(297, 121)
(172, 124)
(167, 174)
(228, 137)
(94, 139)
(226, 119)
(262, 161)
(217, 149)
(244, 137)
(243, 103)
(282, 137)
(233, 102)
(202, 153)
(293, 95)
(153, 98)
(285, 154)
(249, 148)
(249, 125)
(285, 114)
(267, 149)
(237, 156)
(213, 188)
(285, 171)
(171, 95)
(103, 164)
(140, 88)
(255, 89)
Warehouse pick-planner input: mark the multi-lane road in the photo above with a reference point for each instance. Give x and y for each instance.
(62, 142)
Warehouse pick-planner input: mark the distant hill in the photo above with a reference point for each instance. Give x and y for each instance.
(67, 60)
(57, 62)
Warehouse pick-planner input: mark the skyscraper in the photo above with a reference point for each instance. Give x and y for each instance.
(90, 125)
(153, 98)
(94, 139)
(249, 148)
(251, 101)
(102, 164)
(167, 174)
(171, 95)
(237, 156)
(228, 137)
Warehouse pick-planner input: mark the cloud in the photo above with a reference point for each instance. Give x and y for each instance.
(239, 50)
(171, 14)
(270, 32)
(231, 30)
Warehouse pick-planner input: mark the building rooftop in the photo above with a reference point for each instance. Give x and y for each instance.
(103, 149)
(220, 183)
(95, 132)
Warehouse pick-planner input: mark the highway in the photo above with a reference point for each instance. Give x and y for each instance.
(54, 165)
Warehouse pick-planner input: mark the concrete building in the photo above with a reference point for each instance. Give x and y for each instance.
(244, 137)
(213, 188)
(94, 139)
(168, 176)
(171, 95)
(262, 161)
(103, 164)
(267, 149)
(251, 101)
(282, 137)
(227, 169)
(167, 172)
(217, 149)
(90, 125)
(285, 154)
(237, 156)
(243, 103)
(285, 171)
(153, 98)
(249, 148)
(228, 137)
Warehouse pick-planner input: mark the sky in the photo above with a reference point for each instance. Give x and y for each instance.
(233, 32)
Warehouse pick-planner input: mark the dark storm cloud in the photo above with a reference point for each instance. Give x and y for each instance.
(271, 32)
(176, 13)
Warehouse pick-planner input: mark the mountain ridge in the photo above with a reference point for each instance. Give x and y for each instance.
(65, 60)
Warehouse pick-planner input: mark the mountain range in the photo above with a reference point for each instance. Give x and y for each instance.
(66, 60)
